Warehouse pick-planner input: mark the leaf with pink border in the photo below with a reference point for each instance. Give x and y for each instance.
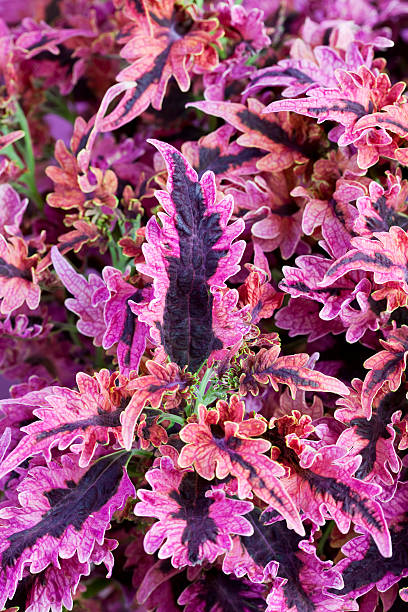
(322, 484)
(173, 52)
(56, 586)
(303, 585)
(334, 215)
(393, 118)
(123, 326)
(386, 367)
(373, 440)
(311, 66)
(80, 419)
(215, 152)
(40, 37)
(386, 256)
(195, 521)
(273, 550)
(64, 510)
(18, 284)
(91, 322)
(351, 104)
(306, 281)
(160, 386)
(329, 103)
(260, 295)
(382, 207)
(16, 411)
(363, 567)
(222, 443)
(191, 253)
(269, 133)
(266, 367)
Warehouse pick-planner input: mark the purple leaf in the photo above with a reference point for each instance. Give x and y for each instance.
(65, 417)
(364, 567)
(195, 521)
(322, 483)
(215, 591)
(122, 323)
(372, 439)
(91, 322)
(64, 510)
(188, 256)
(11, 210)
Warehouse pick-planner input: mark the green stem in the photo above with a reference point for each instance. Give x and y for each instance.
(112, 251)
(200, 399)
(12, 155)
(30, 161)
(99, 358)
(70, 327)
(324, 538)
(28, 177)
(167, 416)
(132, 453)
(58, 106)
(119, 261)
(31, 191)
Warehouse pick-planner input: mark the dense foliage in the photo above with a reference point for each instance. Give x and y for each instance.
(203, 305)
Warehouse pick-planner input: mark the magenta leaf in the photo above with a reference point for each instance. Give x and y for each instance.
(301, 317)
(273, 551)
(300, 578)
(65, 417)
(364, 567)
(194, 520)
(311, 594)
(334, 215)
(122, 323)
(386, 256)
(298, 74)
(266, 367)
(56, 586)
(382, 208)
(16, 411)
(222, 444)
(372, 439)
(40, 37)
(91, 322)
(326, 104)
(306, 281)
(191, 253)
(215, 591)
(268, 550)
(322, 484)
(386, 367)
(63, 510)
(12, 209)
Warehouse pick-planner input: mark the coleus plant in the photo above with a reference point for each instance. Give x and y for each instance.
(203, 294)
